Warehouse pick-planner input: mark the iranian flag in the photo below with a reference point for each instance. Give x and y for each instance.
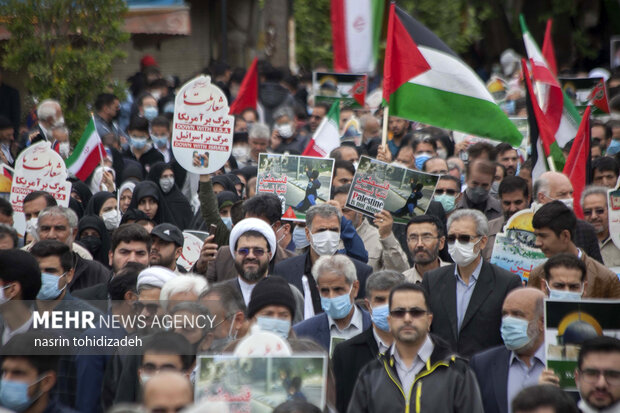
(425, 81)
(87, 154)
(356, 30)
(577, 166)
(562, 115)
(327, 135)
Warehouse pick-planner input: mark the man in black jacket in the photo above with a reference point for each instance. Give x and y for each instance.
(419, 372)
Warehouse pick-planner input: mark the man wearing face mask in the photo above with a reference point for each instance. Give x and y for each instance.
(284, 138)
(555, 186)
(448, 193)
(351, 355)
(338, 285)
(554, 226)
(424, 148)
(272, 306)
(466, 297)
(505, 370)
(565, 277)
(325, 228)
(139, 147)
(479, 177)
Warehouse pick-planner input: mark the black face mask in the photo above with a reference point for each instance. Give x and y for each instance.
(91, 243)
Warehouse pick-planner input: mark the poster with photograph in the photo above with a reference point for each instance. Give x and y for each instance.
(568, 324)
(514, 249)
(349, 88)
(587, 91)
(259, 384)
(192, 245)
(613, 215)
(299, 181)
(378, 186)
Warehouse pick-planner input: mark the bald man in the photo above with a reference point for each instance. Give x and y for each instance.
(503, 371)
(168, 391)
(552, 186)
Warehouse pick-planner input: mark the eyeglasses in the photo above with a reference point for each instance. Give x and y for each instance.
(151, 307)
(598, 211)
(592, 376)
(425, 238)
(462, 238)
(258, 252)
(414, 312)
(450, 192)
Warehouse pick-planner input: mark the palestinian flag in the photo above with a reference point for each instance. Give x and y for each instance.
(561, 113)
(327, 135)
(425, 81)
(356, 31)
(577, 166)
(248, 91)
(87, 154)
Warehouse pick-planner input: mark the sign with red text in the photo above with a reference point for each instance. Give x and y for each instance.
(202, 130)
(38, 168)
(192, 245)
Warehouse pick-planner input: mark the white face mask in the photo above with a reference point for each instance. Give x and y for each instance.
(325, 242)
(31, 228)
(568, 202)
(166, 184)
(463, 254)
(3, 298)
(285, 130)
(111, 219)
(64, 149)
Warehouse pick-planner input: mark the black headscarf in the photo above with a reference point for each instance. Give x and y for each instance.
(135, 215)
(76, 206)
(83, 192)
(99, 252)
(179, 205)
(150, 188)
(132, 170)
(96, 202)
(225, 181)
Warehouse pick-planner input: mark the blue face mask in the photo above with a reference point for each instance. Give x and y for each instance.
(565, 295)
(299, 237)
(14, 395)
(49, 286)
(274, 325)
(227, 221)
(160, 141)
(137, 143)
(447, 201)
(420, 159)
(150, 112)
(514, 332)
(379, 317)
(337, 307)
(613, 148)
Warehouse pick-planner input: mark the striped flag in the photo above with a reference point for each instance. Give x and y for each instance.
(547, 49)
(87, 154)
(356, 31)
(577, 166)
(327, 135)
(425, 81)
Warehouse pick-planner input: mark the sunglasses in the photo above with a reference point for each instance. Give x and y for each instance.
(450, 192)
(598, 211)
(257, 252)
(150, 308)
(462, 238)
(414, 312)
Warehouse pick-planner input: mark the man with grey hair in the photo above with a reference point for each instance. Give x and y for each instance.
(61, 224)
(350, 356)
(337, 282)
(327, 231)
(284, 137)
(49, 114)
(258, 138)
(552, 186)
(466, 297)
(596, 212)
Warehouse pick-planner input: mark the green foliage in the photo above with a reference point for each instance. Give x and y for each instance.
(66, 49)
(313, 34)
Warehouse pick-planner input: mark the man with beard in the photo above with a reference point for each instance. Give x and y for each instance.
(598, 375)
(503, 371)
(596, 213)
(425, 238)
(167, 247)
(508, 157)
(253, 245)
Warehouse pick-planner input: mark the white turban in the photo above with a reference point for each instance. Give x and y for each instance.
(155, 276)
(252, 224)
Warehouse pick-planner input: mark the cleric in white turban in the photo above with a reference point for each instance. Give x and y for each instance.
(252, 224)
(154, 277)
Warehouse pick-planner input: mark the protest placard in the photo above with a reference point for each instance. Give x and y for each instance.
(202, 130)
(38, 168)
(191, 250)
(568, 324)
(349, 88)
(514, 249)
(379, 186)
(6, 179)
(299, 181)
(613, 215)
(587, 91)
(259, 384)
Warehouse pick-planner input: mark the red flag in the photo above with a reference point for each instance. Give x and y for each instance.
(578, 162)
(545, 133)
(248, 91)
(598, 96)
(547, 49)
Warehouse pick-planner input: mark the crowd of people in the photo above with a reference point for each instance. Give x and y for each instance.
(413, 317)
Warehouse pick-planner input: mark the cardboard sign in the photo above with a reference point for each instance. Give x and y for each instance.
(202, 130)
(259, 384)
(587, 91)
(349, 88)
(514, 249)
(299, 181)
(568, 324)
(38, 168)
(192, 245)
(403, 192)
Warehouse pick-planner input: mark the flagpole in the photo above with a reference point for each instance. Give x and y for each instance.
(386, 110)
(551, 163)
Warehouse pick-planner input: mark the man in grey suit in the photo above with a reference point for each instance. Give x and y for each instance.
(466, 297)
